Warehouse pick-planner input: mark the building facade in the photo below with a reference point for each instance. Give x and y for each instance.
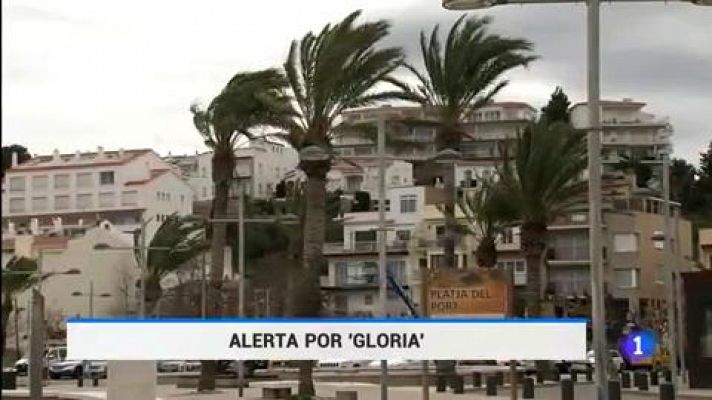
(64, 193)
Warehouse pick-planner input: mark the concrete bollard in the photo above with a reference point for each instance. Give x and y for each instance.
(440, 383)
(528, 388)
(668, 375)
(614, 390)
(654, 378)
(500, 378)
(95, 382)
(574, 376)
(625, 379)
(80, 381)
(555, 375)
(346, 395)
(491, 383)
(567, 389)
(539, 377)
(476, 379)
(643, 382)
(667, 392)
(458, 384)
(589, 375)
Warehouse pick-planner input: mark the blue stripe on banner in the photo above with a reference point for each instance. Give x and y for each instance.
(330, 320)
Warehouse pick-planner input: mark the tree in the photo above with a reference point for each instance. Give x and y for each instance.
(541, 187)
(22, 156)
(461, 75)
(682, 185)
(557, 109)
(17, 277)
(487, 214)
(328, 73)
(247, 101)
(183, 235)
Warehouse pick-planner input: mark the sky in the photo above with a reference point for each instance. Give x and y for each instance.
(78, 74)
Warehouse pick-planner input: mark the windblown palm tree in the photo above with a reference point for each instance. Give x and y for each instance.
(328, 72)
(183, 238)
(248, 100)
(488, 214)
(541, 182)
(461, 75)
(16, 278)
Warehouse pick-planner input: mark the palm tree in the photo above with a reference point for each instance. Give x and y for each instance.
(16, 278)
(247, 101)
(328, 72)
(183, 235)
(461, 75)
(487, 214)
(541, 181)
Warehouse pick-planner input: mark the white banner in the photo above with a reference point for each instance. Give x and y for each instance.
(314, 339)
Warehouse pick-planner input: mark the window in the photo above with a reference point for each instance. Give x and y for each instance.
(129, 198)
(437, 261)
(403, 235)
(625, 242)
(39, 204)
(440, 230)
(40, 183)
(508, 236)
(626, 278)
(365, 236)
(396, 268)
(84, 201)
(106, 200)
(61, 202)
(61, 181)
(368, 299)
(17, 184)
(375, 205)
(202, 172)
(17, 205)
(408, 203)
(259, 189)
(205, 191)
(269, 188)
(84, 180)
(106, 177)
(579, 217)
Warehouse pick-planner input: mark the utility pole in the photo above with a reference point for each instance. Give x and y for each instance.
(241, 282)
(382, 263)
(594, 197)
(669, 272)
(203, 280)
(679, 320)
(37, 331)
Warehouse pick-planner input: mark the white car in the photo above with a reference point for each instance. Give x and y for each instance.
(397, 363)
(343, 363)
(588, 364)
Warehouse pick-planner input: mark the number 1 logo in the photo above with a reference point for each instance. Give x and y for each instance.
(638, 340)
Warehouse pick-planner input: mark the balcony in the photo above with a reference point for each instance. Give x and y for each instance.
(364, 247)
(577, 254)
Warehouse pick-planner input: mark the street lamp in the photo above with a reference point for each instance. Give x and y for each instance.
(594, 168)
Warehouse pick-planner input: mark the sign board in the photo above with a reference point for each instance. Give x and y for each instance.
(467, 293)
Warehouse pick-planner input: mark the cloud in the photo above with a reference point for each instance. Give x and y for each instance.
(123, 74)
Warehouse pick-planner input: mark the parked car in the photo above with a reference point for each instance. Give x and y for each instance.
(21, 366)
(343, 363)
(230, 367)
(169, 365)
(397, 363)
(98, 369)
(66, 368)
(588, 364)
(191, 365)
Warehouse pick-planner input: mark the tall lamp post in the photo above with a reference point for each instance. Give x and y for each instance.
(37, 325)
(91, 297)
(594, 165)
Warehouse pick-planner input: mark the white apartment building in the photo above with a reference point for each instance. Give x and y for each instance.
(68, 192)
(628, 131)
(110, 275)
(362, 175)
(260, 165)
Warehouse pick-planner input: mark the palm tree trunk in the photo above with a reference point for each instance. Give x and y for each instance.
(486, 252)
(450, 238)
(533, 244)
(308, 288)
(223, 167)
(6, 311)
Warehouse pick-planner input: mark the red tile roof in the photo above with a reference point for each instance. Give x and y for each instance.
(86, 160)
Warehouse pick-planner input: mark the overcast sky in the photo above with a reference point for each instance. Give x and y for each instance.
(82, 73)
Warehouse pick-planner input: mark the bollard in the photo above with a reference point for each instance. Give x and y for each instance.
(637, 378)
(654, 378)
(668, 375)
(574, 376)
(500, 378)
(555, 375)
(440, 384)
(614, 390)
(667, 392)
(491, 383)
(625, 379)
(528, 388)
(476, 379)
(589, 375)
(80, 380)
(458, 384)
(567, 389)
(643, 383)
(539, 377)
